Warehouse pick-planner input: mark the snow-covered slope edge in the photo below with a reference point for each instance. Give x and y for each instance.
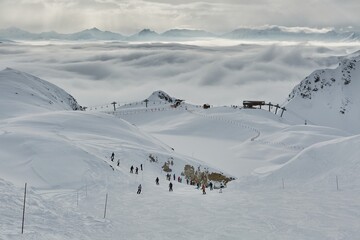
(329, 97)
(22, 93)
(321, 166)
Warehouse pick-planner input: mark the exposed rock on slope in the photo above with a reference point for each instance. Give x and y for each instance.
(330, 97)
(162, 96)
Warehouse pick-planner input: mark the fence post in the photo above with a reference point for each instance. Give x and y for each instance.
(105, 205)
(283, 109)
(23, 217)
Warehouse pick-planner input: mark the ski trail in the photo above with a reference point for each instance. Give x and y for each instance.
(232, 122)
(255, 130)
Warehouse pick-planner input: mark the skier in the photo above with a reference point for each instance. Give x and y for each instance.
(170, 187)
(136, 170)
(141, 167)
(211, 186)
(118, 163)
(174, 177)
(203, 188)
(139, 189)
(157, 181)
(131, 169)
(221, 187)
(112, 156)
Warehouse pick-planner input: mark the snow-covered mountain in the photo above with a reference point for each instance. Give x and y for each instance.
(22, 93)
(94, 34)
(290, 34)
(187, 33)
(87, 34)
(144, 35)
(161, 96)
(275, 33)
(330, 97)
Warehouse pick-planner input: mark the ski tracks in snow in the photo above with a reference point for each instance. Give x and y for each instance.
(256, 131)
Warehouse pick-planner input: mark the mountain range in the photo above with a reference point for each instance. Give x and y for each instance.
(268, 33)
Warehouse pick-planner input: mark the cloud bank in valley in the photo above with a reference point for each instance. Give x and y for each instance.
(97, 73)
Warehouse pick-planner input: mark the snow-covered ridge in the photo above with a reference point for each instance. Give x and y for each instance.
(162, 96)
(322, 80)
(22, 93)
(330, 97)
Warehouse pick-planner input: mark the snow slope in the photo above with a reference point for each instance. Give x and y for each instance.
(329, 97)
(22, 93)
(64, 156)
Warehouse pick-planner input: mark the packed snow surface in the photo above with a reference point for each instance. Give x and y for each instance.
(293, 181)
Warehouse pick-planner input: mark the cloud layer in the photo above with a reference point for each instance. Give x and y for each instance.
(97, 73)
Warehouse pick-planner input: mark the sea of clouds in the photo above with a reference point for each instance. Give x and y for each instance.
(98, 73)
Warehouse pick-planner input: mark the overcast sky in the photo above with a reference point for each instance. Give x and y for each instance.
(219, 16)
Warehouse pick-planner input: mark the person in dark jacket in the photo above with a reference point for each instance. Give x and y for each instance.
(131, 169)
(136, 170)
(170, 187)
(157, 181)
(139, 189)
(112, 157)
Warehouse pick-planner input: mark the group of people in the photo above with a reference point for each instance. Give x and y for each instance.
(168, 177)
(203, 186)
(136, 169)
(170, 184)
(157, 181)
(112, 159)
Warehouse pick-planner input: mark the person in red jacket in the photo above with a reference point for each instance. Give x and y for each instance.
(203, 188)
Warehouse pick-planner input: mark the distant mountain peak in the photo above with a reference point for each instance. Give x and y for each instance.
(95, 29)
(147, 32)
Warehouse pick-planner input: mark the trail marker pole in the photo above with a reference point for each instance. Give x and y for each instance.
(114, 103)
(337, 183)
(106, 199)
(283, 184)
(23, 217)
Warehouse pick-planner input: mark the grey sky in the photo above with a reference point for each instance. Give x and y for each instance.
(130, 16)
